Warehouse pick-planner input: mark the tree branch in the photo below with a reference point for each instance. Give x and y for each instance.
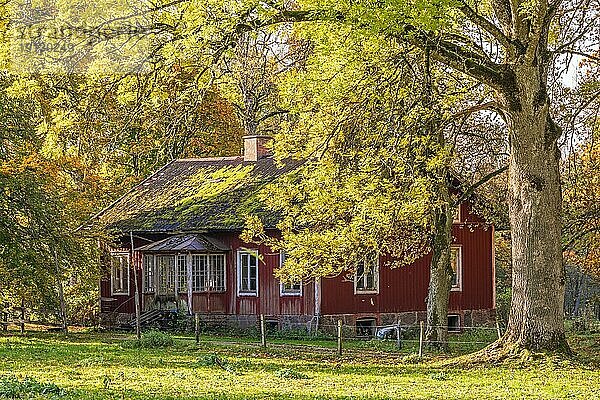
(486, 25)
(467, 193)
(457, 57)
(578, 236)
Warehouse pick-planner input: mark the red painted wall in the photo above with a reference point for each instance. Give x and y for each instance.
(405, 289)
(268, 302)
(402, 289)
(118, 303)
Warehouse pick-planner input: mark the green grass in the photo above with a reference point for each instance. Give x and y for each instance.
(106, 366)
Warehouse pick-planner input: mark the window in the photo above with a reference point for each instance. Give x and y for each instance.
(453, 323)
(271, 325)
(216, 272)
(198, 272)
(208, 272)
(149, 273)
(248, 272)
(119, 272)
(365, 327)
(182, 281)
(165, 268)
(456, 218)
(288, 289)
(366, 279)
(456, 263)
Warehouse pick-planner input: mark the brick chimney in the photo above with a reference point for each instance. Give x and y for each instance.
(255, 147)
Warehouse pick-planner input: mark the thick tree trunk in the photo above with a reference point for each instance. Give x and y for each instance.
(536, 315)
(440, 275)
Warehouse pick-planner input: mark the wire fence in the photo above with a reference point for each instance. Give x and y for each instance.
(341, 337)
(362, 335)
(20, 316)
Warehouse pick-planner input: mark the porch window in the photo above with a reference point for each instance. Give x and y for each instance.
(182, 280)
(216, 272)
(366, 279)
(288, 289)
(248, 272)
(149, 273)
(208, 272)
(456, 263)
(165, 266)
(119, 272)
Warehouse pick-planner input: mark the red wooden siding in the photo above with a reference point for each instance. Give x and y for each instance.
(118, 303)
(268, 302)
(400, 290)
(405, 289)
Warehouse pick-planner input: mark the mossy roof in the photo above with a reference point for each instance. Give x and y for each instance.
(204, 194)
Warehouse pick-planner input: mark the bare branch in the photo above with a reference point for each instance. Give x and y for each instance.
(486, 25)
(467, 193)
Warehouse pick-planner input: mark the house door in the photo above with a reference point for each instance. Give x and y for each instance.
(165, 275)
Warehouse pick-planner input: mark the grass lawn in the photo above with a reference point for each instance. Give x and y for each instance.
(103, 366)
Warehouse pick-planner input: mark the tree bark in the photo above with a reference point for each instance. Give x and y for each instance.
(440, 274)
(61, 295)
(538, 281)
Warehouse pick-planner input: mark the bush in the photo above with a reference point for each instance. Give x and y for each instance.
(151, 340)
(12, 388)
(209, 360)
(289, 373)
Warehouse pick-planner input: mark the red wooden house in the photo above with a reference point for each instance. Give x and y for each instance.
(180, 230)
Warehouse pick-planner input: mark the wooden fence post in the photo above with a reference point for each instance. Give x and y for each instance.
(339, 337)
(138, 311)
(197, 327)
(22, 323)
(421, 340)
(398, 339)
(263, 333)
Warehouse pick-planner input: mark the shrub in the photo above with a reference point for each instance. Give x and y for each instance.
(298, 334)
(289, 373)
(208, 360)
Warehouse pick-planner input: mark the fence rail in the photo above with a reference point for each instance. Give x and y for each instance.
(340, 334)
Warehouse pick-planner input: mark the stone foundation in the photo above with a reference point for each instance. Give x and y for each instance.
(325, 323)
(468, 318)
(215, 321)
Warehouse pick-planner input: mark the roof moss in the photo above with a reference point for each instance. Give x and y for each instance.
(195, 194)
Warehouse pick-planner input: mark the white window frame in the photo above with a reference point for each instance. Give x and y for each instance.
(458, 328)
(282, 289)
(209, 269)
(376, 278)
(456, 219)
(119, 255)
(179, 272)
(239, 272)
(166, 278)
(459, 268)
(145, 287)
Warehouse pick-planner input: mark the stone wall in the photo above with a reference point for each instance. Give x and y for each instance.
(326, 323)
(468, 318)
